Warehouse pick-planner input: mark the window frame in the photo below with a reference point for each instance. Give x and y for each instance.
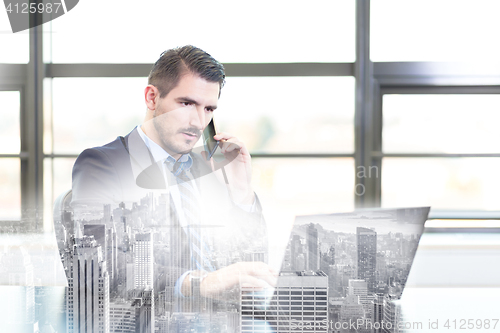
(418, 88)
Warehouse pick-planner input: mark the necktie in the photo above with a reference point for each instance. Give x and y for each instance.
(200, 253)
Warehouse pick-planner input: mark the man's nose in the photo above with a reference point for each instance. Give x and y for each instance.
(197, 117)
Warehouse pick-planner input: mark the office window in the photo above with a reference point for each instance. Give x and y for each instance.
(81, 113)
(10, 128)
(257, 31)
(289, 114)
(89, 112)
(10, 165)
(15, 47)
(429, 30)
(443, 183)
(10, 189)
(437, 127)
(57, 180)
(436, 123)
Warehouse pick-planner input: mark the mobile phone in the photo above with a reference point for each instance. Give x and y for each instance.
(208, 139)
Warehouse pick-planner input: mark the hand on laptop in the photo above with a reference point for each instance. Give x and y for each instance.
(224, 282)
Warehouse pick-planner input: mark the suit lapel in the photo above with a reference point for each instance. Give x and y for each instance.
(147, 173)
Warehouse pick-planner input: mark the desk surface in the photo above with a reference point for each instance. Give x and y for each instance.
(454, 284)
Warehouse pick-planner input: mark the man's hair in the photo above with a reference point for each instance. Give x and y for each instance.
(174, 63)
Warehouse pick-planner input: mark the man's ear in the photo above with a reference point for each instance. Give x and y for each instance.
(151, 96)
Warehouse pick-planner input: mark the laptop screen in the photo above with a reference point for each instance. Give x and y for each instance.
(346, 267)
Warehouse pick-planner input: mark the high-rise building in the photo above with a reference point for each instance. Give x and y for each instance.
(334, 307)
(295, 251)
(312, 248)
(366, 242)
(299, 304)
(327, 259)
(107, 214)
(143, 261)
(112, 257)
(98, 231)
(360, 288)
(144, 310)
(351, 309)
(162, 324)
(106, 238)
(392, 314)
(378, 313)
(121, 317)
(88, 289)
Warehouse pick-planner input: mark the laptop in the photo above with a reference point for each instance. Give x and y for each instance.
(344, 271)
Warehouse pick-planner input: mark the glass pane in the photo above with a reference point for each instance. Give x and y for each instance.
(289, 114)
(441, 123)
(10, 135)
(15, 47)
(47, 116)
(299, 186)
(257, 31)
(57, 180)
(429, 30)
(90, 112)
(10, 189)
(443, 183)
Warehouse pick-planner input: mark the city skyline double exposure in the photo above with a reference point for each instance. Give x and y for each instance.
(361, 259)
(338, 268)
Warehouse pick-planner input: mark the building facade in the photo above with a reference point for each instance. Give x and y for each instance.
(299, 304)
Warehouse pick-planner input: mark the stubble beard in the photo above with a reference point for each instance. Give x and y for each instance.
(171, 146)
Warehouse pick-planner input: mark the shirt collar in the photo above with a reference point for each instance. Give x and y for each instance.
(159, 154)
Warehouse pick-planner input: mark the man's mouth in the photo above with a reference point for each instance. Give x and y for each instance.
(190, 135)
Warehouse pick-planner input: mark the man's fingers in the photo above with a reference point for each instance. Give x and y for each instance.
(249, 281)
(261, 271)
(223, 136)
(256, 276)
(226, 140)
(227, 146)
(268, 277)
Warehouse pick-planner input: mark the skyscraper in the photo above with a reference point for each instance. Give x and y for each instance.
(312, 248)
(112, 257)
(295, 251)
(144, 310)
(299, 304)
(392, 314)
(351, 309)
(360, 288)
(378, 312)
(366, 242)
(88, 289)
(99, 233)
(143, 261)
(122, 317)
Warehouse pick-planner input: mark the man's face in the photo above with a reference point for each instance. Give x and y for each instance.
(181, 116)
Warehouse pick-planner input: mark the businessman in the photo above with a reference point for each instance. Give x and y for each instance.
(211, 206)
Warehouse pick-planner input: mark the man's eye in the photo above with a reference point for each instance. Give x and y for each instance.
(186, 103)
(209, 109)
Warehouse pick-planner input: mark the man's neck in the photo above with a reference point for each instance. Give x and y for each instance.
(153, 136)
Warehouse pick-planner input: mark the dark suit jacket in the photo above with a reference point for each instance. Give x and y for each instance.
(124, 171)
